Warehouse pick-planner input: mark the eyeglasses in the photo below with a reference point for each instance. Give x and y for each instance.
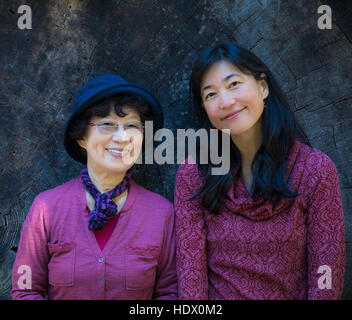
(109, 127)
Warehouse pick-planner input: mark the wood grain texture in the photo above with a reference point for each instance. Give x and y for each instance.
(154, 42)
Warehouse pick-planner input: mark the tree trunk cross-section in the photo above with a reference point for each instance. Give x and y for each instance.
(154, 43)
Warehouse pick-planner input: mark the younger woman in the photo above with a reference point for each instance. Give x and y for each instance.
(272, 227)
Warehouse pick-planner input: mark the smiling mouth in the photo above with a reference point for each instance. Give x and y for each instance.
(233, 115)
(118, 152)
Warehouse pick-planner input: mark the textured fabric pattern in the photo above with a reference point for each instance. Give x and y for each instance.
(253, 251)
(105, 206)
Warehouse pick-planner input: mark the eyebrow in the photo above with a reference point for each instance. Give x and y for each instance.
(131, 117)
(127, 118)
(224, 80)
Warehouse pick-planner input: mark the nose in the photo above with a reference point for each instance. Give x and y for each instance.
(227, 100)
(120, 135)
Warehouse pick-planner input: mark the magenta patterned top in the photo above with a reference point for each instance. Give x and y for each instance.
(252, 251)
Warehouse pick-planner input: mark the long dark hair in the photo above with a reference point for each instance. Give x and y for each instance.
(279, 131)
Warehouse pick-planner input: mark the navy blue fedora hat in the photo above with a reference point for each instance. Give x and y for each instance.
(98, 89)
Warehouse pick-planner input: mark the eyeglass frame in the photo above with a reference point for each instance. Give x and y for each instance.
(116, 125)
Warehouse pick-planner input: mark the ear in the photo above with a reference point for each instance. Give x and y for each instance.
(263, 85)
(82, 143)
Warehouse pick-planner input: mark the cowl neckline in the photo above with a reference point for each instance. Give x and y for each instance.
(240, 202)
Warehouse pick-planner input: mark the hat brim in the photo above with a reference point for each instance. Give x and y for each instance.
(71, 145)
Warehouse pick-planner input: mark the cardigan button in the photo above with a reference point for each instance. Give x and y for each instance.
(101, 260)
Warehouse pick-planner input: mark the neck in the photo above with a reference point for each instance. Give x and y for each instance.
(103, 180)
(248, 144)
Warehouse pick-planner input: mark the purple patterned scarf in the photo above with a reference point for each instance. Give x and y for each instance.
(104, 205)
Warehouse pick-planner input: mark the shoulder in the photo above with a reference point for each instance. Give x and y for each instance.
(59, 193)
(320, 174)
(188, 175)
(45, 203)
(310, 162)
(188, 166)
(318, 164)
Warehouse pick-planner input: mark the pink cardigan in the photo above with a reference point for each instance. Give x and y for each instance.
(66, 262)
(253, 251)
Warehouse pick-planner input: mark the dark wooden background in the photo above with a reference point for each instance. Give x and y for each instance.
(154, 42)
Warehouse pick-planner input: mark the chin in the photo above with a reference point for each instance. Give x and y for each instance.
(116, 168)
(236, 132)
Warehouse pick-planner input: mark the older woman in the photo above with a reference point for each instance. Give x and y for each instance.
(100, 235)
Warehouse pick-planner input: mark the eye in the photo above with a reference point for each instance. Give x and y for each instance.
(209, 95)
(233, 84)
(137, 126)
(107, 124)
(131, 125)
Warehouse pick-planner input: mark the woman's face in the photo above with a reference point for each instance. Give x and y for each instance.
(110, 150)
(232, 99)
